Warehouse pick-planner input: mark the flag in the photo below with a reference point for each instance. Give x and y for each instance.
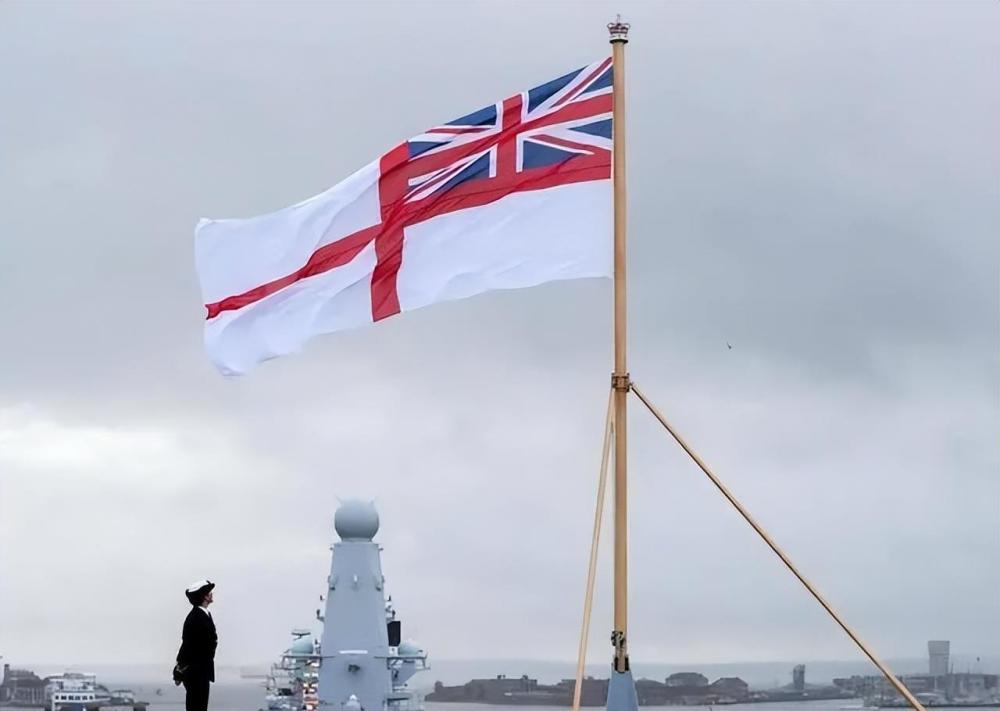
(510, 196)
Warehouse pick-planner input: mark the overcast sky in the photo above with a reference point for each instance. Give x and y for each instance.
(815, 183)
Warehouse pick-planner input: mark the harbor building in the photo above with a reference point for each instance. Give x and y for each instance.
(938, 657)
(687, 679)
(498, 690)
(730, 688)
(525, 691)
(939, 686)
(593, 692)
(799, 677)
(20, 687)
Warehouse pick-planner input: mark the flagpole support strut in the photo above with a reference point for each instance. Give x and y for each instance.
(882, 667)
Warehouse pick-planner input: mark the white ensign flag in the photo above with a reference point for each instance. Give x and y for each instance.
(510, 196)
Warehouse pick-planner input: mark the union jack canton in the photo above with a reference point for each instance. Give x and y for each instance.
(556, 124)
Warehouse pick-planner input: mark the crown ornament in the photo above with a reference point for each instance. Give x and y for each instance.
(618, 30)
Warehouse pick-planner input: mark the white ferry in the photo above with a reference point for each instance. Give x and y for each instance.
(74, 690)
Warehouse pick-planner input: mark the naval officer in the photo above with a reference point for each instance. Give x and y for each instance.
(196, 657)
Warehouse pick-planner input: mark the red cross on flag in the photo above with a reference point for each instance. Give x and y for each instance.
(510, 196)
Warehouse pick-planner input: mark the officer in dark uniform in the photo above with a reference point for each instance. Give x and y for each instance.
(196, 657)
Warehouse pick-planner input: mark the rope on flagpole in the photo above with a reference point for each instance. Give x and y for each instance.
(889, 675)
(588, 598)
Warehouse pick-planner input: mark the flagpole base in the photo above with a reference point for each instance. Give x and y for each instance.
(621, 692)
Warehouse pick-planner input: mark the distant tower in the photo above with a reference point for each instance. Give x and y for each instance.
(799, 677)
(938, 653)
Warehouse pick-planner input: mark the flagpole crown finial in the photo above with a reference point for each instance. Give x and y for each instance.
(618, 30)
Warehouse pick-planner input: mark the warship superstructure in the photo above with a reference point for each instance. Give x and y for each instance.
(291, 682)
(361, 662)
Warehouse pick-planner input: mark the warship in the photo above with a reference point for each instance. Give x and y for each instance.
(360, 662)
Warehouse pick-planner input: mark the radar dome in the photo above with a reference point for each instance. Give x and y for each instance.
(303, 645)
(409, 648)
(356, 521)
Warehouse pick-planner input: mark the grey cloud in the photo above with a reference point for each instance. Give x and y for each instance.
(816, 184)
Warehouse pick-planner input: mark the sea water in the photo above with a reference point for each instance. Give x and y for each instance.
(248, 695)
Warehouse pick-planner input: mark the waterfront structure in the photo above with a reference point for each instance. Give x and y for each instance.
(938, 657)
(687, 679)
(938, 687)
(71, 691)
(593, 692)
(21, 687)
(972, 685)
(730, 688)
(497, 690)
(799, 677)
(961, 689)
(525, 691)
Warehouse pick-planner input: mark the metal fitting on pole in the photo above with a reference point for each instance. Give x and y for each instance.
(618, 30)
(620, 663)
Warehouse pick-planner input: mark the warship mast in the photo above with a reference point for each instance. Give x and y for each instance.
(364, 663)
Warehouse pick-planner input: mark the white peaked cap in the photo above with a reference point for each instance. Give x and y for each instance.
(198, 585)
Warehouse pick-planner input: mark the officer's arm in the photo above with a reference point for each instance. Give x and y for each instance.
(188, 635)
